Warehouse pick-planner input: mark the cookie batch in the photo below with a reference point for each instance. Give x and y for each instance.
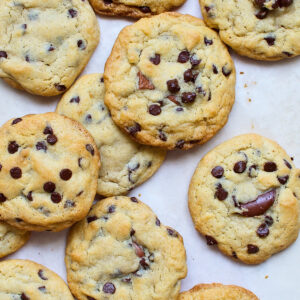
(169, 83)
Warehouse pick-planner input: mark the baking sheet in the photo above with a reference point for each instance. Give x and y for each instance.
(267, 102)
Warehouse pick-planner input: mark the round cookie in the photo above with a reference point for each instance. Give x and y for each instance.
(122, 251)
(44, 45)
(125, 163)
(27, 280)
(134, 8)
(11, 239)
(48, 175)
(244, 197)
(259, 29)
(217, 291)
(170, 81)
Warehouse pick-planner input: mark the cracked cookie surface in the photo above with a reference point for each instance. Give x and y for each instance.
(122, 251)
(259, 29)
(124, 163)
(217, 291)
(49, 169)
(170, 81)
(244, 197)
(11, 239)
(27, 280)
(44, 45)
(134, 8)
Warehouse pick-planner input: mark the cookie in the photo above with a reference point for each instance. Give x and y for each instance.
(125, 163)
(27, 280)
(11, 239)
(244, 198)
(217, 291)
(122, 251)
(48, 175)
(170, 81)
(134, 8)
(259, 29)
(44, 45)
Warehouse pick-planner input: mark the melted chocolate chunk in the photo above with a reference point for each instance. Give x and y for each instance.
(173, 86)
(107, 2)
(65, 174)
(145, 9)
(41, 146)
(60, 87)
(208, 41)
(240, 167)
(263, 230)
(154, 109)
(52, 139)
(29, 196)
(215, 69)
(42, 275)
(270, 166)
(210, 241)
(109, 288)
(285, 3)
(2, 198)
(260, 205)
(49, 187)
(144, 82)
(134, 199)
(283, 179)
(217, 172)
(252, 249)
(72, 13)
(183, 56)
(156, 59)
(270, 40)
(269, 221)
(90, 149)
(173, 99)
(16, 121)
(262, 13)
(91, 219)
(132, 232)
(16, 173)
(75, 100)
(3, 54)
(12, 147)
(56, 197)
(188, 97)
(287, 164)
(221, 194)
(134, 129)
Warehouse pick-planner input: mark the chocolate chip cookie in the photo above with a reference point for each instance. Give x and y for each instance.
(27, 280)
(125, 163)
(44, 45)
(48, 175)
(134, 8)
(217, 291)
(122, 251)
(244, 198)
(260, 29)
(11, 239)
(170, 81)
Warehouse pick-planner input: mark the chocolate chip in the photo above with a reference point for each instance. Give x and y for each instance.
(157, 222)
(90, 149)
(51, 48)
(0, 167)
(194, 61)
(260, 205)
(269, 221)
(240, 167)
(16, 173)
(283, 179)
(18, 220)
(81, 44)
(89, 297)
(252, 249)
(134, 129)
(2, 198)
(226, 72)
(287, 164)
(162, 136)
(270, 40)
(42, 275)
(144, 82)
(208, 41)
(179, 109)
(207, 8)
(51, 139)
(91, 219)
(107, 2)
(49, 187)
(109, 288)
(154, 109)
(260, 3)
(215, 69)
(69, 204)
(29, 196)
(172, 233)
(210, 241)
(145, 9)
(262, 13)
(42, 289)
(111, 209)
(288, 54)
(75, 100)
(132, 232)
(41, 146)
(16, 121)
(251, 170)
(3, 54)
(234, 255)
(179, 144)
(65, 174)
(173, 86)
(156, 59)
(24, 297)
(188, 97)
(60, 87)
(221, 194)
(285, 3)
(79, 162)
(144, 264)
(12, 147)
(27, 58)
(217, 172)
(200, 90)
(48, 130)
(55, 197)
(270, 166)
(183, 56)
(72, 12)
(134, 199)
(263, 230)
(188, 75)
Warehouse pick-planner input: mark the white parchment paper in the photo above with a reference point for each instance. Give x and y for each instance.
(267, 102)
